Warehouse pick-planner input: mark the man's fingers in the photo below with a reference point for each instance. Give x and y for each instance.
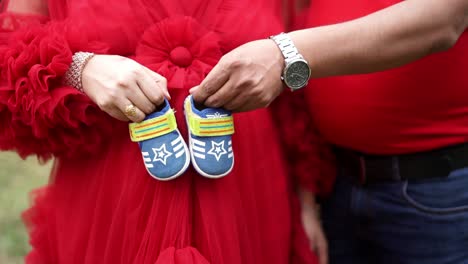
(236, 102)
(249, 106)
(242, 104)
(212, 83)
(223, 96)
(193, 89)
(150, 89)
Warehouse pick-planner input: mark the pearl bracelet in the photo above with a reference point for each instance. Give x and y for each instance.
(73, 75)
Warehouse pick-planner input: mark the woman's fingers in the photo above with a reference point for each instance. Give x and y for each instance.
(151, 89)
(117, 114)
(139, 99)
(322, 249)
(160, 81)
(130, 110)
(122, 87)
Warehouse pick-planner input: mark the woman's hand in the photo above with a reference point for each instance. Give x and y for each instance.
(312, 226)
(116, 83)
(247, 78)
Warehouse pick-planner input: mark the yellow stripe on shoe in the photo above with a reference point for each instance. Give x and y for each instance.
(208, 127)
(154, 127)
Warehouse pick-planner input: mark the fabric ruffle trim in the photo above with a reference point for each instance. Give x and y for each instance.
(34, 220)
(39, 115)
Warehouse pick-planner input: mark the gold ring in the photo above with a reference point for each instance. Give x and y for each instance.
(130, 111)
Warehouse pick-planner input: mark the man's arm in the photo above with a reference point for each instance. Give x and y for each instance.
(386, 39)
(248, 77)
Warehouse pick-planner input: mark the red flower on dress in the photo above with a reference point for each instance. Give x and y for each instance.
(180, 49)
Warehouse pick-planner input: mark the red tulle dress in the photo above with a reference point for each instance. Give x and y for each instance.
(101, 206)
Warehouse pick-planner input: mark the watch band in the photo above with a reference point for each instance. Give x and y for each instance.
(286, 46)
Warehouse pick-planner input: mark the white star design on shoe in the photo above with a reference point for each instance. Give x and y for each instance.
(161, 154)
(217, 149)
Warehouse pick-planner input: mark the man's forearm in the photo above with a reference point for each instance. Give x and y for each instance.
(386, 39)
(248, 77)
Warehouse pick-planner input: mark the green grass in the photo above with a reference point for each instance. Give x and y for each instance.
(17, 179)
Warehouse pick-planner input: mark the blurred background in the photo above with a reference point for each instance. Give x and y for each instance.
(17, 178)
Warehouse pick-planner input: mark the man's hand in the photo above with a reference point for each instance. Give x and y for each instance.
(115, 83)
(312, 226)
(247, 78)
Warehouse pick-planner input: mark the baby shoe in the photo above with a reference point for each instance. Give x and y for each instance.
(210, 143)
(164, 151)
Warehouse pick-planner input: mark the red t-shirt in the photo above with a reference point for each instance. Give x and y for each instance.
(421, 106)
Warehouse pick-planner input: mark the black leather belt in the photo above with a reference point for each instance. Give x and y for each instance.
(369, 169)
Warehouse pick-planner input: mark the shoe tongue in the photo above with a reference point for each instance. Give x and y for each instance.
(214, 113)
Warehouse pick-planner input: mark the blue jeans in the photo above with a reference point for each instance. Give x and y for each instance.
(404, 222)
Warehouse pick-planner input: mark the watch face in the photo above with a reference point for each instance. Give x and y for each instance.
(297, 74)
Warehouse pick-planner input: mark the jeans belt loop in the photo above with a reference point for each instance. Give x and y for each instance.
(362, 170)
(396, 168)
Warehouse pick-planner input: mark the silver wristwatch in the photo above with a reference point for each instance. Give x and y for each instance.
(296, 73)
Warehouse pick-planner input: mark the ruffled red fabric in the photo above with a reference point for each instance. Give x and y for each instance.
(40, 211)
(310, 159)
(9, 22)
(38, 114)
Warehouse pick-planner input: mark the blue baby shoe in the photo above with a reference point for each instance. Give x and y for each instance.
(164, 151)
(210, 131)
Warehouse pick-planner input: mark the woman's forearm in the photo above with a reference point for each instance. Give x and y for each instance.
(28, 7)
(386, 39)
